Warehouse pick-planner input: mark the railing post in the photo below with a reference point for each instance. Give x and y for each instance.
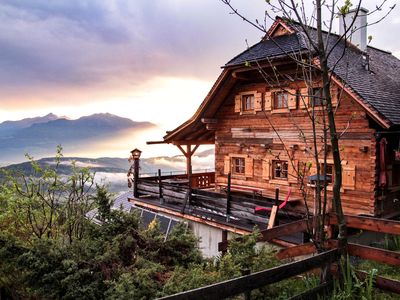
(160, 188)
(228, 198)
(247, 294)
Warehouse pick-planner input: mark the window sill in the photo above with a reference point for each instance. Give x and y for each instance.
(248, 112)
(280, 110)
(279, 181)
(238, 176)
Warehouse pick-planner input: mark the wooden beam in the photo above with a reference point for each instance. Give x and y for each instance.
(272, 216)
(382, 283)
(375, 254)
(303, 249)
(194, 149)
(188, 217)
(275, 232)
(194, 142)
(256, 280)
(209, 121)
(370, 253)
(285, 229)
(155, 142)
(211, 127)
(370, 224)
(182, 150)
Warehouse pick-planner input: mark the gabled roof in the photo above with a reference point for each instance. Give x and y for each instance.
(376, 88)
(269, 48)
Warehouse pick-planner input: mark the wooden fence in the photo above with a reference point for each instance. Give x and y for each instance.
(249, 282)
(175, 192)
(257, 280)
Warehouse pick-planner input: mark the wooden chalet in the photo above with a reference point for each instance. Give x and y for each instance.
(257, 116)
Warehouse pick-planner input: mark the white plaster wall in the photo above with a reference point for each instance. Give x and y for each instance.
(209, 238)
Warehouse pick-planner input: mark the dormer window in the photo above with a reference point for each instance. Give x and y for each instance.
(247, 102)
(281, 100)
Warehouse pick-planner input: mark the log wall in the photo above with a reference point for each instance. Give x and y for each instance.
(251, 135)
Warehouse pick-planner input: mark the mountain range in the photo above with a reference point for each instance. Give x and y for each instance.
(113, 170)
(40, 135)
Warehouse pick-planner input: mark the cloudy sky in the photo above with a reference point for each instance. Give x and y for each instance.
(152, 60)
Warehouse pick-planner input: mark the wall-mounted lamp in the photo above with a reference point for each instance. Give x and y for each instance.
(363, 149)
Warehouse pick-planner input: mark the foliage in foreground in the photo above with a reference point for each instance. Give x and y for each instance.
(50, 250)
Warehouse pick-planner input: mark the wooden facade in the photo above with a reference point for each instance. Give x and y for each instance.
(263, 136)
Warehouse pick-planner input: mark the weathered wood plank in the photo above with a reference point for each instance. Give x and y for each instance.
(375, 254)
(370, 224)
(303, 249)
(253, 281)
(382, 283)
(275, 232)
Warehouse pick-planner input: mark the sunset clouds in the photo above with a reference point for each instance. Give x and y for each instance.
(130, 58)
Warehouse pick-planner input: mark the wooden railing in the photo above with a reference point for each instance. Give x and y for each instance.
(171, 190)
(198, 180)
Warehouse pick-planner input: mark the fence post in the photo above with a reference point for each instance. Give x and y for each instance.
(247, 294)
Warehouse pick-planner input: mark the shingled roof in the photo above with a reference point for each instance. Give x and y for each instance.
(378, 86)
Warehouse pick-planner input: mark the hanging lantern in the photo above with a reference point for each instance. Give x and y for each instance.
(397, 153)
(136, 153)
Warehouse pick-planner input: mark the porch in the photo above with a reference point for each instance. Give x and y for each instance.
(230, 210)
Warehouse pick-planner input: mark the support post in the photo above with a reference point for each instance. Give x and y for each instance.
(224, 239)
(188, 154)
(246, 294)
(160, 188)
(228, 198)
(136, 177)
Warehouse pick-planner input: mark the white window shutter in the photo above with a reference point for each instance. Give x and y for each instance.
(293, 167)
(268, 101)
(238, 103)
(249, 167)
(227, 165)
(266, 169)
(292, 99)
(334, 94)
(349, 177)
(258, 102)
(304, 98)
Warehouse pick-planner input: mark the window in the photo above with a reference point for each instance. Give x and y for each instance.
(280, 100)
(247, 102)
(317, 97)
(238, 165)
(280, 169)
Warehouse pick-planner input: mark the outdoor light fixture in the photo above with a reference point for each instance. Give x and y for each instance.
(136, 153)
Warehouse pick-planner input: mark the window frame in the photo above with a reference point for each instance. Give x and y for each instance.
(283, 170)
(277, 101)
(244, 102)
(238, 165)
